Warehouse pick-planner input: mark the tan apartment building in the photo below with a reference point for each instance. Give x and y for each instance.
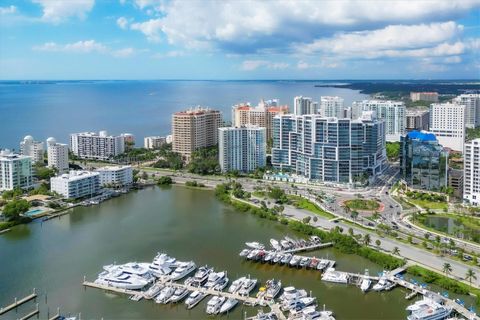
(262, 115)
(195, 128)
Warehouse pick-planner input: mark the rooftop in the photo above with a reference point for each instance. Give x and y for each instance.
(422, 135)
(76, 175)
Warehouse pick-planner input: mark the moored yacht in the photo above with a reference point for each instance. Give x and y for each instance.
(162, 265)
(214, 304)
(247, 286)
(120, 279)
(269, 256)
(138, 269)
(290, 293)
(366, 282)
(215, 278)
(236, 285)
(201, 276)
(285, 244)
(286, 258)
(275, 244)
(253, 254)
(255, 245)
(153, 291)
(182, 270)
(273, 289)
(165, 295)
(335, 276)
(244, 252)
(278, 257)
(228, 305)
(382, 284)
(428, 309)
(194, 298)
(295, 261)
(304, 262)
(178, 295)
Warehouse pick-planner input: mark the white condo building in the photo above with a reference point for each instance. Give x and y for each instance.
(15, 171)
(34, 149)
(242, 148)
(303, 105)
(471, 172)
(153, 142)
(57, 155)
(393, 112)
(76, 184)
(101, 146)
(332, 107)
(472, 108)
(117, 176)
(447, 122)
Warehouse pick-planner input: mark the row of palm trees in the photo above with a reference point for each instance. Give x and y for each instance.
(469, 276)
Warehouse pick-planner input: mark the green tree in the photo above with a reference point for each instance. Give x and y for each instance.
(307, 219)
(393, 150)
(315, 219)
(164, 180)
(378, 243)
(350, 231)
(15, 208)
(447, 268)
(354, 215)
(396, 251)
(470, 275)
(367, 239)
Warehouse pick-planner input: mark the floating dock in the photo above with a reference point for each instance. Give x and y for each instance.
(18, 303)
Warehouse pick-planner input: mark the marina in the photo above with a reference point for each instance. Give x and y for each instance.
(160, 218)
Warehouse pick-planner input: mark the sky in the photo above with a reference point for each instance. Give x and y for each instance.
(188, 39)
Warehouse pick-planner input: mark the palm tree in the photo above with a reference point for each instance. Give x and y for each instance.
(378, 243)
(447, 268)
(350, 231)
(366, 239)
(396, 251)
(470, 275)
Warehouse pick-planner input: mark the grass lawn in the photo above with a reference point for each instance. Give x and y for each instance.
(405, 205)
(362, 204)
(429, 204)
(302, 203)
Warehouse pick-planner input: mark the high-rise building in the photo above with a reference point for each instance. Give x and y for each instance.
(76, 184)
(195, 128)
(417, 120)
(101, 146)
(472, 108)
(393, 112)
(332, 107)
(303, 105)
(424, 96)
(455, 181)
(154, 142)
(57, 155)
(471, 172)
(242, 149)
(329, 149)
(447, 122)
(34, 149)
(261, 115)
(115, 176)
(15, 171)
(423, 161)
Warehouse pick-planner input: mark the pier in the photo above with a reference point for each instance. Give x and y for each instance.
(31, 314)
(312, 247)
(247, 300)
(18, 303)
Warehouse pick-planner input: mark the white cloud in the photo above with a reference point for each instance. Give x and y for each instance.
(57, 11)
(122, 22)
(86, 46)
(377, 42)
(169, 54)
(326, 63)
(250, 65)
(453, 59)
(151, 29)
(253, 25)
(8, 10)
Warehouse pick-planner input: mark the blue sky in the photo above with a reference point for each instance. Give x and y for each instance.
(187, 39)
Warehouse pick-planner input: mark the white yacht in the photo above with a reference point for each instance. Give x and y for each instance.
(322, 264)
(275, 244)
(428, 309)
(222, 284)
(194, 298)
(182, 270)
(214, 304)
(236, 285)
(253, 254)
(120, 279)
(295, 261)
(381, 285)
(162, 265)
(255, 245)
(153, 291)
(335, 276)
(366, 282)
(285, 244)
(201, 275)
(139, 269)
(165, 295)
(290, 293)
(228, 305)
(265, 316)
(247, 286)
(215, 278)
(178, 295)
(244, 252)
(273, 288)
(311, 313)
(286, 258)
(269, 257)
(278, 258)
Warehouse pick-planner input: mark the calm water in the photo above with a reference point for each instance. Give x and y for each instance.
(139, 107)
(453, 227)
(189, 224)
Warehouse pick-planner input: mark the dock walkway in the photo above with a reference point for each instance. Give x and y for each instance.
(18, 303)
(308, 248)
